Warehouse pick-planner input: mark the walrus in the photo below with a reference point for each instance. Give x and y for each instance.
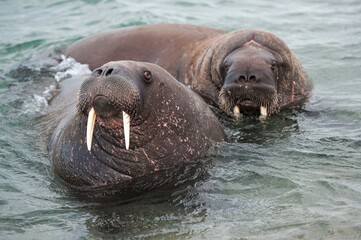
(126, 127)
(243, 72)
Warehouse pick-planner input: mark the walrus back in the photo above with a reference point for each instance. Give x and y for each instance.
(162, 44)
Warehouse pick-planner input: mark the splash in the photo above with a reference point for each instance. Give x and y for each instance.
(36, 104)
(68, 67)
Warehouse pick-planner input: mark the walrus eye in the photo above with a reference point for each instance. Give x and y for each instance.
(273, 65)
(226, 67)
(147, 76)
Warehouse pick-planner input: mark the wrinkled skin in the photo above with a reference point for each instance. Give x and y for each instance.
(170, 127)
(247, 69)
(250, 80)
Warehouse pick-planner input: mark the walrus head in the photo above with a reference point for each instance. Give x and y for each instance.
(126, 102)
(250, 82)
(250, 72)
(110, 98)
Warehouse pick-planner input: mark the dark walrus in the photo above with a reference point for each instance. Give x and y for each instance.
(125, 126)
(246, 71)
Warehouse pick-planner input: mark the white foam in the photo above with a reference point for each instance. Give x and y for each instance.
(68, 67)
(35, 105)
(50, 92)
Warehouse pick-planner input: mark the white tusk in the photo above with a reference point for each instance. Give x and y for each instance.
(126, 124)
(90, 128)
(236, 111)
(263, 111)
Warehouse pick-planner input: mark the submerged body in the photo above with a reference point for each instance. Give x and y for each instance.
(246, 71)
(170, 126)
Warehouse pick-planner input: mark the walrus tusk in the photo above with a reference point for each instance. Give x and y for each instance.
(236, 111)
(263, 111)
(90, 127)
(126, 124)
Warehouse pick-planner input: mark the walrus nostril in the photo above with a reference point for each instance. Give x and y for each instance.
(242, 78)
(108, 72)
(252, 78)
(247, 78)
(97, 72)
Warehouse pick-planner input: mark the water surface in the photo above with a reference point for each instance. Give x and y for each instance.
(295, 176)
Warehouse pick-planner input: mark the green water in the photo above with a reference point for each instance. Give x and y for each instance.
(294, 176)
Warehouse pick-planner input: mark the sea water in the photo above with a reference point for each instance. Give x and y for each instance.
(296, 175)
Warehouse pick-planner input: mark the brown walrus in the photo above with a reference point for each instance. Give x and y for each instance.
(127, 127)
(246, 71)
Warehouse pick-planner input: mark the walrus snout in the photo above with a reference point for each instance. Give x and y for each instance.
(104, 107)
(250, 87)
(109, 94)
(248, 99)
(252, 72)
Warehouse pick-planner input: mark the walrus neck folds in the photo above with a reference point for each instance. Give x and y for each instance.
(200, 68)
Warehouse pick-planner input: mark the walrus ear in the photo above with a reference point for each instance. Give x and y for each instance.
(278, 57)
(223, 69)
